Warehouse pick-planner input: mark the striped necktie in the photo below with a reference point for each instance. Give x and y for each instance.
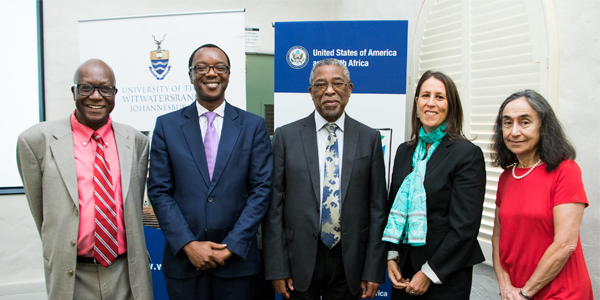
(105, 235)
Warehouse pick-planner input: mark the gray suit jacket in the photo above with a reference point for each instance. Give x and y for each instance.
(291, 227)
(46, 162)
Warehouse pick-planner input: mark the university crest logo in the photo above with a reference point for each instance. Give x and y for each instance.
(297, 57)
(160, 60)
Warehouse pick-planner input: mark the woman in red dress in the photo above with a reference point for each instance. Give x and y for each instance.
(539, 205)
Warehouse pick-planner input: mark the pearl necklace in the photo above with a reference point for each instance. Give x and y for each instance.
(520, 177)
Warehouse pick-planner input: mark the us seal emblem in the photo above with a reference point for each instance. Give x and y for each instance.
(160, 60)
(297, 57)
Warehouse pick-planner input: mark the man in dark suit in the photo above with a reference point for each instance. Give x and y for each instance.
(209, 184)
(322, 233)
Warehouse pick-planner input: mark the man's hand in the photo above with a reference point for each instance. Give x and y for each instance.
(395, 275)
(202, 256)
(222, 254)
(418, 285)
(369, 289)
(283, 286)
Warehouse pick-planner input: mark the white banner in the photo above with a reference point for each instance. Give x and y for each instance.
(150, 56)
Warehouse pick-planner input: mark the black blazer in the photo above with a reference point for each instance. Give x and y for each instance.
(455, 187)
(291, 227)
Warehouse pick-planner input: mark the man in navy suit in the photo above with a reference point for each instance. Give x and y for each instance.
(209, 184)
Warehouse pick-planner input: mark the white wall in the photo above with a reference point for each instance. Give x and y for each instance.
(579, 87)
(21, 259)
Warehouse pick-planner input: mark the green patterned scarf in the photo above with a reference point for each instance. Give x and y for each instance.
(407, 222)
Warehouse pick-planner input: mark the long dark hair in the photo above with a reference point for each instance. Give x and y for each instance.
(454, 119)
(553, 147)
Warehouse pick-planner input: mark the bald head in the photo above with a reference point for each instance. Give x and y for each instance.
(94, 93)
(98, 64)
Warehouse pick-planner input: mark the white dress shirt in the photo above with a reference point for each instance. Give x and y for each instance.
(218, 122)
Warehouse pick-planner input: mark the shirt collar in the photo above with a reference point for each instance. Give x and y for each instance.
(84, 133)
(219, 110)
(320, 121)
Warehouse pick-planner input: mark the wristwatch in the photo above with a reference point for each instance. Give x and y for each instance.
(523, 295)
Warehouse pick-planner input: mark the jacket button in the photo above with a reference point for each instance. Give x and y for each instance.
(73, 243)
(210, 199)
(70, 272)
(315, 236)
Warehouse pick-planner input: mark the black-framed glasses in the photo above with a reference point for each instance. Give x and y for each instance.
(88, 90)
(321, 86)
(203, 69)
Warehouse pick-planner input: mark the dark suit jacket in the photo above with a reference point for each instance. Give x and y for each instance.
(455, 187)
(291, 228)
(191, 207)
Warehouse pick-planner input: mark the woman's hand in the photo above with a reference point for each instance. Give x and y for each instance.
(418, 285)
(396, 275)
(510, 292)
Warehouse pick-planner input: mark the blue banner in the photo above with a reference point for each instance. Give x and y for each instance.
(155, 242)
(374, 51)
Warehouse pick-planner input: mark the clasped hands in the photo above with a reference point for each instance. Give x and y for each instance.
(416, 286)
(206, 255)
(510, 292)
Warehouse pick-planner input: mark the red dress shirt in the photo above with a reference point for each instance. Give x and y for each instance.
(85, 149)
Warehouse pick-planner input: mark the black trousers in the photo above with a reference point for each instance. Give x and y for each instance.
(329, 277)
(457, 286)
(209, 287)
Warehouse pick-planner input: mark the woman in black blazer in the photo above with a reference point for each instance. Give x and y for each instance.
(433, 224)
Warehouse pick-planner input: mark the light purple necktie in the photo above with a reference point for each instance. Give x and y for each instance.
(211, 142)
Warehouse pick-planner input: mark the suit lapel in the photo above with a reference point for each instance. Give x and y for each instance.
(193, 138)
(308, 134)
(125, 149)
(438, 155)
(350, 144)
(64, 155)
(229, 136)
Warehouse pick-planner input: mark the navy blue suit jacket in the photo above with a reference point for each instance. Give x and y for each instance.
(191, 207)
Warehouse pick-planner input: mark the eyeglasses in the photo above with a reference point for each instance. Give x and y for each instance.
(321, 86)
(204, 69)
(88, 90)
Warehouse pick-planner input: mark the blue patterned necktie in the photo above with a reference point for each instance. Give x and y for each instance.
(330, 211)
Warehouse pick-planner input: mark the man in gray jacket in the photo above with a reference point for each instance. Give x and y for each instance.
(84, 179)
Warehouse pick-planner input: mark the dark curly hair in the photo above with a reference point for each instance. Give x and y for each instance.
(454, 119)
(553, 147)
